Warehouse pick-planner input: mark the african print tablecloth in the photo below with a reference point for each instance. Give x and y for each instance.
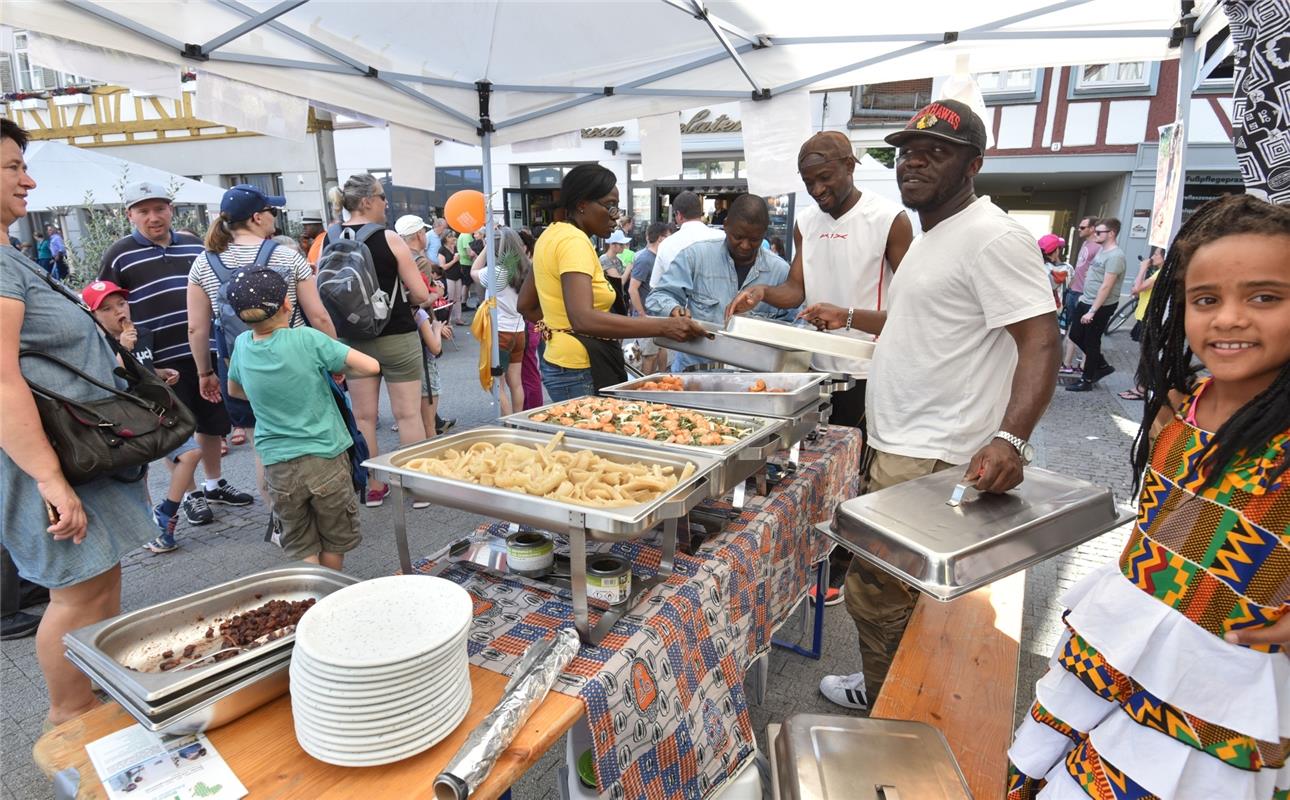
(664, 689)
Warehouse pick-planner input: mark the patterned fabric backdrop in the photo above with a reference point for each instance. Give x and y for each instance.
(664, 689)
(1261, 111)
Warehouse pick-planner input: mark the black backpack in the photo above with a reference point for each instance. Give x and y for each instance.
(348, 283)
(228, 325)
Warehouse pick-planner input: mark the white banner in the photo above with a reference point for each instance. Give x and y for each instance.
(412, 157)
(101, 64)
(660, 146)
(773, 133)
(251, 108)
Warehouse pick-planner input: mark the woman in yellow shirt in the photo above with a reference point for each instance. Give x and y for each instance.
(583, 316)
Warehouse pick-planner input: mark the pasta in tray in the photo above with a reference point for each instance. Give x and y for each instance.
(573, 476)
(658, 422)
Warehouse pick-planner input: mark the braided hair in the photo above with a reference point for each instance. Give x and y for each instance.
(1166, 360)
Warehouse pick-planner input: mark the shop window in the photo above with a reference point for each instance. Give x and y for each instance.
(266, 182)
(450, 179)
(541, 176)
(1122, 77)
(1013, 85)
(641, 211)
(634, 171)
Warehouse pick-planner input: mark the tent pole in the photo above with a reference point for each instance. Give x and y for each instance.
(490, 247)
(702, 13)
(250, 25)
(1187, 63)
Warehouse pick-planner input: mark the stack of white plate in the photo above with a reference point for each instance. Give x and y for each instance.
(379, 671)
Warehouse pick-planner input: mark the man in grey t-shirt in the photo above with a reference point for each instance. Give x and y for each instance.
(1097, 303)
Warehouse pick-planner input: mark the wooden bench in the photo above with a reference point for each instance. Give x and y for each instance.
(957, 670)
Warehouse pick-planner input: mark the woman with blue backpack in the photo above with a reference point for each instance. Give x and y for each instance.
(242, 237)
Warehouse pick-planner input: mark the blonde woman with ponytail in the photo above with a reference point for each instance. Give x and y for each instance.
(246, 219)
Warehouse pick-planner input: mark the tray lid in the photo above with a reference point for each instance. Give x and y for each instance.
(830, 757)
(911, 531)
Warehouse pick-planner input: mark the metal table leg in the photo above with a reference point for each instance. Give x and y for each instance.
(578, 573)
(817, 637)
(400, 523)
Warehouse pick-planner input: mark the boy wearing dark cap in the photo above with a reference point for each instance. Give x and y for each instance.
(299, 434)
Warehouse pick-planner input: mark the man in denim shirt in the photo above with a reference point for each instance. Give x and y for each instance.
(706, 276)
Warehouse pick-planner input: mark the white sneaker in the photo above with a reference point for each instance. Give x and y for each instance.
(845, 690)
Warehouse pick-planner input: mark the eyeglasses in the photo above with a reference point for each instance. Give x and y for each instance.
(380, 196)
(613, 210)
(269, 210)
(1083, 227)
(1101, 231)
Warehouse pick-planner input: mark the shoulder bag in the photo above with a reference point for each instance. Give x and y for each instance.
(118, 435)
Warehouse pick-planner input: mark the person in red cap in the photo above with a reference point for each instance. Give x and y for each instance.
(965, 365)
(1059, 271)
(111, 307)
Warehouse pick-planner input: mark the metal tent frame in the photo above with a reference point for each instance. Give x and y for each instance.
(734, 44)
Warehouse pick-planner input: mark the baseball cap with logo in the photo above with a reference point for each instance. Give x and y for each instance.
(256, 294)
(944, 119)
(1050, 242)
(95, 293)
(244, 201)
(144, 190)
(409, 224)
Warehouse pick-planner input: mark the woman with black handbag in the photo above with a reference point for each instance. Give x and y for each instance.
(70, 540)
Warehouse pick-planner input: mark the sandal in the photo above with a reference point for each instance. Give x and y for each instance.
(238, 437)
(1132, 394)
(223, 446)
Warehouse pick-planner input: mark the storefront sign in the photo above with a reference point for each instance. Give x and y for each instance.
(701, 122)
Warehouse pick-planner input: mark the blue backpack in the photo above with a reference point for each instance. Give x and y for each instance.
(358, 452)
(227, 324)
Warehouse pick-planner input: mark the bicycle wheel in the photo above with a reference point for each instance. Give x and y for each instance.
(1122, 315)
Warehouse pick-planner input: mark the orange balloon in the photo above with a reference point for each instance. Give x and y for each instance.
(464, 211)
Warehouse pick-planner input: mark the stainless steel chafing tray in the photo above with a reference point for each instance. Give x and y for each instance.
(831, 757)
(736, 352)
(623, 522)
(127, 648)
(736, 461)
(728, 391)
(206, 710)
(909, 530)
(781, 334)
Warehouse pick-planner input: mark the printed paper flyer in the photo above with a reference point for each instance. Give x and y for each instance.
(140, 765)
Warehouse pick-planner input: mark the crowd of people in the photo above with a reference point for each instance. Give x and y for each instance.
(970, 315)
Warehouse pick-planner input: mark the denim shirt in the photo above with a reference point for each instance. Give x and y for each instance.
(702, 278)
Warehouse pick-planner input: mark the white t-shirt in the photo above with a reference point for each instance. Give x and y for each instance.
(942, 371)
(690, 232)
(508, 317)
(844, 263)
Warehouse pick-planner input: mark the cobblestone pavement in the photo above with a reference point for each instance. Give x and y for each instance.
(1085, 435)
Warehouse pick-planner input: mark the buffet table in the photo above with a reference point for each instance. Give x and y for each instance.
(662, 693)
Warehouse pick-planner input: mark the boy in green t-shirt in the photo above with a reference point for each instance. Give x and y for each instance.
(299, 433)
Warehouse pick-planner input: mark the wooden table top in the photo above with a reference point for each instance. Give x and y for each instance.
(262, 751)
(956, 670)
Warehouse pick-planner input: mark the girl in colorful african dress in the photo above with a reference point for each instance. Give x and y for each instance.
(1172, 679)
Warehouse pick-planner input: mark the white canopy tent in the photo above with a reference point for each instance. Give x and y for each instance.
(68, 176)
(499, 71)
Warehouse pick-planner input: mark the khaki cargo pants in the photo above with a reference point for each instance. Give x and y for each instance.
(879, 604)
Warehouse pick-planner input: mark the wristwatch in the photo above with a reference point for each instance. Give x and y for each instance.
(206, 374)
(1024, 449)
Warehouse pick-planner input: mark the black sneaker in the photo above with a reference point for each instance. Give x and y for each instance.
(18, 625)
(1080, 386)
(195, 509)
(1106, 369)
(226, 494)
(442, 426)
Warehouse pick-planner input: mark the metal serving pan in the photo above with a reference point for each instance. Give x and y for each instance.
(208, 710)
(128, 647)
(623, 522)
(831, 757)
(909, 530)
(728, 391)
(781, 334)
(738, 461)
(737, 352)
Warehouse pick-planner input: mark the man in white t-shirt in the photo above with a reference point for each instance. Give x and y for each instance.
(845, 251)
(966, 362)
(687, 210)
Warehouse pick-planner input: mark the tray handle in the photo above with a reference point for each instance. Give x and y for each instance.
(680, 506)
(760, 452)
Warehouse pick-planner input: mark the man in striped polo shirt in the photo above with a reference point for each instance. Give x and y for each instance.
(152, 264)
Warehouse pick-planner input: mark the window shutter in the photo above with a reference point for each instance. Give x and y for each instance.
(7, 83)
